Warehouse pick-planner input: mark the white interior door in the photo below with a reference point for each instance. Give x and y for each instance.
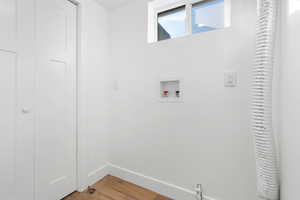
(56, 99)
(16, 99)
(8, 98)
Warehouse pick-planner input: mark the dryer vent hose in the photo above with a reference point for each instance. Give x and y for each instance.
(265, 148)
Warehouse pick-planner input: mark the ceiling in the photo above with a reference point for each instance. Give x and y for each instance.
(114, 3)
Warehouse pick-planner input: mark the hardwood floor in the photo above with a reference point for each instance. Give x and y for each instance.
(113, 188)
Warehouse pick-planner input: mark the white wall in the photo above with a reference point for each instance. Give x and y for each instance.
(206, 139)
(94, 105)
(290, 98)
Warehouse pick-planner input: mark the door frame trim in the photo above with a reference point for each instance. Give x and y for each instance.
(80, 139)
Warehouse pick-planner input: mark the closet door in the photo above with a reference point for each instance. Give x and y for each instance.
(56, 99)
(16, 102)
(8, 98)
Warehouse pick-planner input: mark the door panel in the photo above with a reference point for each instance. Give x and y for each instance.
(7, 124)
(56, 99)
(8, 98)
(8, 22)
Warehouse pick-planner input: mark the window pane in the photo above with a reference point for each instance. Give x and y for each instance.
(171, 23)
(208, 15)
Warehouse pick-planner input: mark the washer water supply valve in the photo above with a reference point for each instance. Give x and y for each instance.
(177, 93)
(165, 93)
(199, 192)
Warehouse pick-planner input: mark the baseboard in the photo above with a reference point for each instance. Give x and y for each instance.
(161, 187)
(97, 174)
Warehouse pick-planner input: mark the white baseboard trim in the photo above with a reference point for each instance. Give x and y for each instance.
(97, 174)
(161, 187)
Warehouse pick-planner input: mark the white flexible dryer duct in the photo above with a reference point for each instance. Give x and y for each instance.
(266, 159)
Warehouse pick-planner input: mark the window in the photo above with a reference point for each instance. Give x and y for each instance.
(207, 15)
(171, 23)
(176, 18)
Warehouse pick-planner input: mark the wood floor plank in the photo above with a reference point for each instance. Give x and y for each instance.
(160, 197)
(130, 189)
(113, 188)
